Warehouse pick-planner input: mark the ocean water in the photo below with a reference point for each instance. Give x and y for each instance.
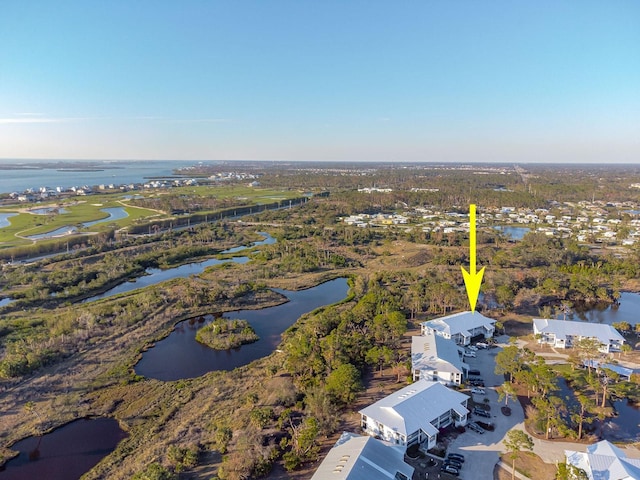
(44, 174)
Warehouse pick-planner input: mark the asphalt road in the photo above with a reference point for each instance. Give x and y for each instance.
(482, 451)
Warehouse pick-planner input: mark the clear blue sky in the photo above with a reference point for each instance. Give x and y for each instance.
(427, 80)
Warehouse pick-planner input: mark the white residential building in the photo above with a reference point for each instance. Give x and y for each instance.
(355, 457)
(603, 460)
(435, 358)
(461, 327)
(564, 333)
(413, 414)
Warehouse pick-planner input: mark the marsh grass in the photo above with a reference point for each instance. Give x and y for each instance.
(224, 334)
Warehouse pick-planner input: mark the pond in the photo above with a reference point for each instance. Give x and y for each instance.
(627, 310)
(180, 356)
(4, 219)
(268, 240)
(115, 213)
(47, 210)
(5, 301)
(513, 233)
(65, 453)
(154, 276)
(60, 232)
(624, 427)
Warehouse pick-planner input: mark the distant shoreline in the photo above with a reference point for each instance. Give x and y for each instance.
(62, 166)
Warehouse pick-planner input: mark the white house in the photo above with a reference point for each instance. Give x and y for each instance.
(564, 333)
(413, 414)
(436, 358)
(461, 327)
(355, 457)
(603, 460)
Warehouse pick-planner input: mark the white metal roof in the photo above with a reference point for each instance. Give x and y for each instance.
(433, 352)
(412, 408)
(603, 460)
(355, 457)
(562, 328)
(460, 323)
(619, 369)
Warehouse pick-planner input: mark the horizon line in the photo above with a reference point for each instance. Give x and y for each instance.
(400, 162)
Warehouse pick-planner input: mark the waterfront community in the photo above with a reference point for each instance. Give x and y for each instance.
(263, 326)
(319, 240)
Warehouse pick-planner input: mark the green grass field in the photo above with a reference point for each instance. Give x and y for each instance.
(79, 210)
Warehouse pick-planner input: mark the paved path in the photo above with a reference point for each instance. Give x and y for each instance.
(509, 469)
(482, 451)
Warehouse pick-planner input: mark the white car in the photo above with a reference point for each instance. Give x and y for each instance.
(469, 354)
(473, 347)
(482, 345)
(477, 390)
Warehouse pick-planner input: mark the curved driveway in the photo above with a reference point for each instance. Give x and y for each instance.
(482, 451)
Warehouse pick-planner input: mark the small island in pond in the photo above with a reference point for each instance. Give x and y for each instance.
(223, 334)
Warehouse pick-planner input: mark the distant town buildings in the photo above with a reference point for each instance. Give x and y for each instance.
(375, 189)
(46, 193)
(587, 222)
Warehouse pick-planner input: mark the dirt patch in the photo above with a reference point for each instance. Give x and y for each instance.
(528, 464)
(517, 326)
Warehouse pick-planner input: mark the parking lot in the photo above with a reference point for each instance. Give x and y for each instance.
(482, 451)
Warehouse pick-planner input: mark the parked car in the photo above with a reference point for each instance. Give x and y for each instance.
(477, 383)
(490, 427)
(475, 427)
(482, 345)
(478, 390)
(469, 354)
(481, 412)
(456, 456)
(473, 347)
(450, 469)
(453, 463)
(473, 372)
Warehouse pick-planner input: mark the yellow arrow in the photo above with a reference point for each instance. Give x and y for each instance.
(472, 279)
